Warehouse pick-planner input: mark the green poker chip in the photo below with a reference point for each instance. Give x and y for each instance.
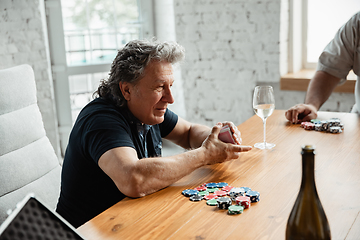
(211, 202)
(235, 209)
(204, 193)
(212, 190)
(315, 120)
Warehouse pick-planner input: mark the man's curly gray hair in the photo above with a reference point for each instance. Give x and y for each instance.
(130, 63)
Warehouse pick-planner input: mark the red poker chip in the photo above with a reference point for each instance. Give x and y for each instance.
(227, 188)
(309, 126)
(204, 184)
(210, 196)
(220, 193)
(201, 188)
(243, 201)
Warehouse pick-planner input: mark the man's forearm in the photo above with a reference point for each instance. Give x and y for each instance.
(197, 134)
(157, 173)
(320, 88)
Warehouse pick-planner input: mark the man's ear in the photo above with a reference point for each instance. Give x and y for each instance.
(125, 90)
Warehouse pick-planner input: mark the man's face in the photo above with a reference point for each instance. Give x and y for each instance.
(149, 98)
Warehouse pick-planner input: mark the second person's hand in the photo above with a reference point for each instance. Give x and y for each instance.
(301, 113)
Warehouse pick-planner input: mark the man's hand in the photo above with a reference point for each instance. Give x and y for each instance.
(218, 151)
(136, 178)
(301, 113)
(235, 133)
(320, 88)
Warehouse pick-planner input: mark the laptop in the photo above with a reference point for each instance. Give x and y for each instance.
(32, 219)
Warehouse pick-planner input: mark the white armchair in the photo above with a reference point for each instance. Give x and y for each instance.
(28, 162)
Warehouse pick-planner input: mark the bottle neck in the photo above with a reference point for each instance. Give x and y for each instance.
(308, 173)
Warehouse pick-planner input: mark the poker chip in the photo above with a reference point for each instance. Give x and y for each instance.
(334, 122)
(335, 130)
(315, 121)
(246, 189)
(253, 195)
(223, 202)
(222, 184)
(308, 125)
(227, 188)
(204, 193)
(196, 198)
(243, 201)
(215, 194)
(318, 127)
(210, 196)
(190, 192)
(201, 188)
(235, 192)
(211, 202)
(204, 184)
(333, 125)
(211, 185)
(212, 190)
(220, 193)
(235, 209)
(324, 125)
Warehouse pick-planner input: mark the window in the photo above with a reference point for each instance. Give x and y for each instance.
(81, 87)
(95, 29)
(324, 18)
(84, 36)
(313, 25)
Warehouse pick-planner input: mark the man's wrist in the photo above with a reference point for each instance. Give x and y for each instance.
(313, 107)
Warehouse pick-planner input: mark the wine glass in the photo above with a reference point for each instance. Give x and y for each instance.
(264, 105)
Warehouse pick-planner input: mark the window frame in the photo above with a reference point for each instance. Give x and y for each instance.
(61, 71)
(299, 71)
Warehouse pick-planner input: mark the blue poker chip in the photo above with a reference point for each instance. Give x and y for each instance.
(222, 184)
(247, 189)
(190, 192)
(211, 185)
(254, 196)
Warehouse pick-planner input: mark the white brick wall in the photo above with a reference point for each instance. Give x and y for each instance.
(232, 46)
(22, 41)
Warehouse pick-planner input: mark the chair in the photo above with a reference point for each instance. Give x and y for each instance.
(28, 163)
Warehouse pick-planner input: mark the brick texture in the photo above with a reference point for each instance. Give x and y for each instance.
(232, 46)
(22, 41)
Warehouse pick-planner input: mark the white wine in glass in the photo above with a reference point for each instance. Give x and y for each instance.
(264, 105)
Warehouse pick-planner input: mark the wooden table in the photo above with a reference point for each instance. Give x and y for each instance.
(275, 173)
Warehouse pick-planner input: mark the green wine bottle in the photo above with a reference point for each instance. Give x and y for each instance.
(307, 219)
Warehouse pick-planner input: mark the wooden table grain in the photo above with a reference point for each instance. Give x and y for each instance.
(275, 173)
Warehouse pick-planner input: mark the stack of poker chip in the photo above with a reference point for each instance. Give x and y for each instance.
(235, 209)
(243, 201)
(332, 125)
(223, 196)
(224, 202)
(308, 125)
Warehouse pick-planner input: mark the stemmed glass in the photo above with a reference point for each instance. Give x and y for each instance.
(264, 105)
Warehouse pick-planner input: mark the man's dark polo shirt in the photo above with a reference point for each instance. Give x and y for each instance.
(86, 190)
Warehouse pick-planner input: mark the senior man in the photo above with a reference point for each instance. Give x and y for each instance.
(114, 148)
